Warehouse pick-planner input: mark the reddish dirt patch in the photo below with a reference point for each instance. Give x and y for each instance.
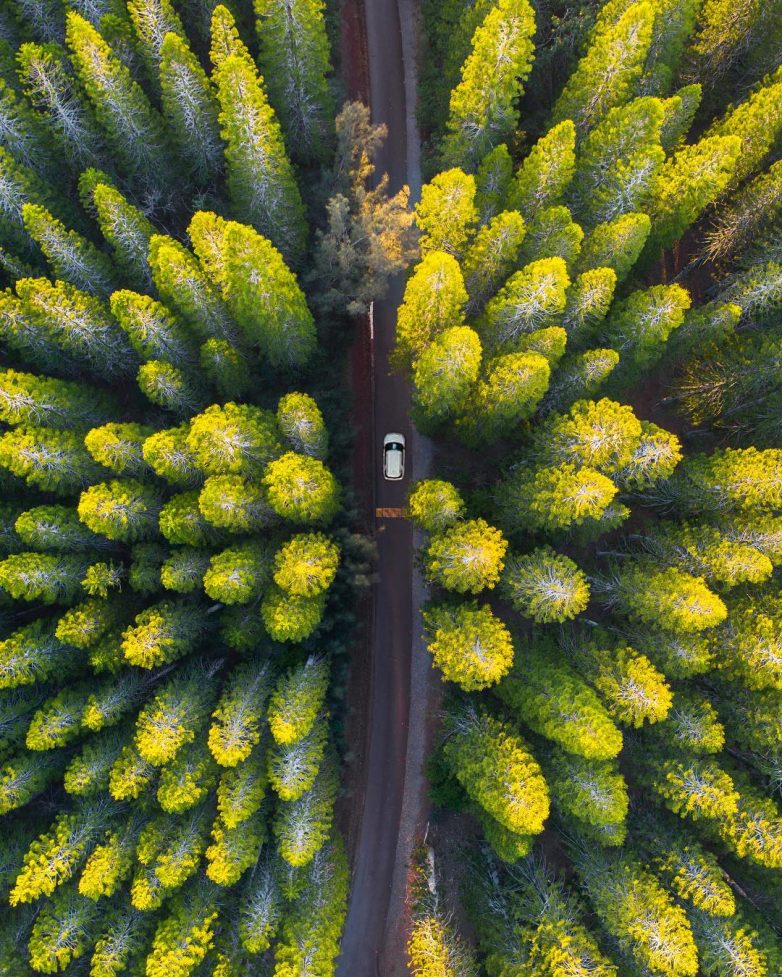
(355, 59)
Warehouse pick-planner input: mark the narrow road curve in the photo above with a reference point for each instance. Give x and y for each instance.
(370, 945)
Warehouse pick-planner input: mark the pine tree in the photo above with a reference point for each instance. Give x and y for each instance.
(639, 326)
(493, 180)
(118, 447)
(24, 776)
(168, 387)
(610, 71)
(294, 59)
(236, 726)
(88, 772)
(526, 917)
(71, 256)
(264, 298)
(34, 654)
(124, 227)
(692, 725)
(592, 792)
(493, 256)
(553, 498)
(695, 788)
(131, 126)
(183, 937)
(467, 557)
(747, 646)
(545, 586)
(633, 690)
(469, 644)
(680, 110)
(301, 489)
(545, 174)
(289, 617)
(29, 399)
(754, 831)
(588, 300)
(48, 82)
(434, 505)
(547, 694)
(746, 214)
(182, 523)
(234, 850)
(369, 234)
(616, 244)
(110, 864)
(79, 325)
(184, 570)
(187, 291)
(190, 108)
(233, 439)
(302, 827)
(152, 21)
(704, 550)
(292, 769)
(46, 577)
(240, 574)
(261, 908)
(725, 32)
(670, 599)
(241, 789)
(640, 914)
(167, 454)
(173, 716)
(162, 633)
(63, 931)
(496, 769)
(306, 565)
(756, 122)
(301, 424)
(531, 299)
(444, 375)
(297, 701)
(54, 856)
(310, 930)
(23, 136)
(446, 213)
(553, 233)
(730, 480)
(434, 301)
(482, 114)
(430, 949)
(689, 181)
(507, 394)
(259, 176)
(55, 461)
(225, 368)
(728, 945)
(234, 503)
(110, 700)
(619, 164)
(124, 511)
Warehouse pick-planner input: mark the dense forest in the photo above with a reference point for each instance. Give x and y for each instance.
(180, 244)
(592, 334)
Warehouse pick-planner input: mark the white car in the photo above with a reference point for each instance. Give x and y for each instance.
(394, 457)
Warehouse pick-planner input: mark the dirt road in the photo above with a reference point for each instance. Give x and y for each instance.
(370, 945)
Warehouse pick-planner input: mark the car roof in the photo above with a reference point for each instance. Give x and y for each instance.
(393, 464)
